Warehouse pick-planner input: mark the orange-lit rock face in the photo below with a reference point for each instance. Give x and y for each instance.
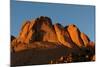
(39, 38)
(75, 35)
(26, 31)
(30, 32)
(44, 30)
(62, 35)
(40, 29)
(20, 47)
(85, 38)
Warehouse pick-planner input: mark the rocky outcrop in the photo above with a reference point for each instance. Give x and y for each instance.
(39, 39)
(40, 29)
(44, 30)
(91, 44)
(12, 37)
(26, 31)
(75, 35)
(63, 36)
(85, 38)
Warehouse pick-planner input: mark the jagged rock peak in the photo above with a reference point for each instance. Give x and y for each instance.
(62, 35)
(45, 19)
(12, 37)
(85, 38)
(75, 34)
(40, 29)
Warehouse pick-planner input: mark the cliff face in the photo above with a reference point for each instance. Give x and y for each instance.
(74, 33)
(63, 36)
(85, 38)
(40, 33)
(40, 29)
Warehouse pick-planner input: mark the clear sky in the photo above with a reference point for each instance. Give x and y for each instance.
(81, 15)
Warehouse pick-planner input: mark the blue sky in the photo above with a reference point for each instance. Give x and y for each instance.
(81, 15)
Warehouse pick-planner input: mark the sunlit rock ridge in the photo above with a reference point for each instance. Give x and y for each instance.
(41, 34)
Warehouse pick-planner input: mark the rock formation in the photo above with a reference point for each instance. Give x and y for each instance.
(75, 35)
(63, 36)
(26, 31)
(40, 29)
(85, 38)
(12, 37)
(44, 30)
(50, 43)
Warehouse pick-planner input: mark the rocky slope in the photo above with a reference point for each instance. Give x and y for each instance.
(41, 42)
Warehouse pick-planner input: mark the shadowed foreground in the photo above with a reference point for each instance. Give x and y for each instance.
(49, 53)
